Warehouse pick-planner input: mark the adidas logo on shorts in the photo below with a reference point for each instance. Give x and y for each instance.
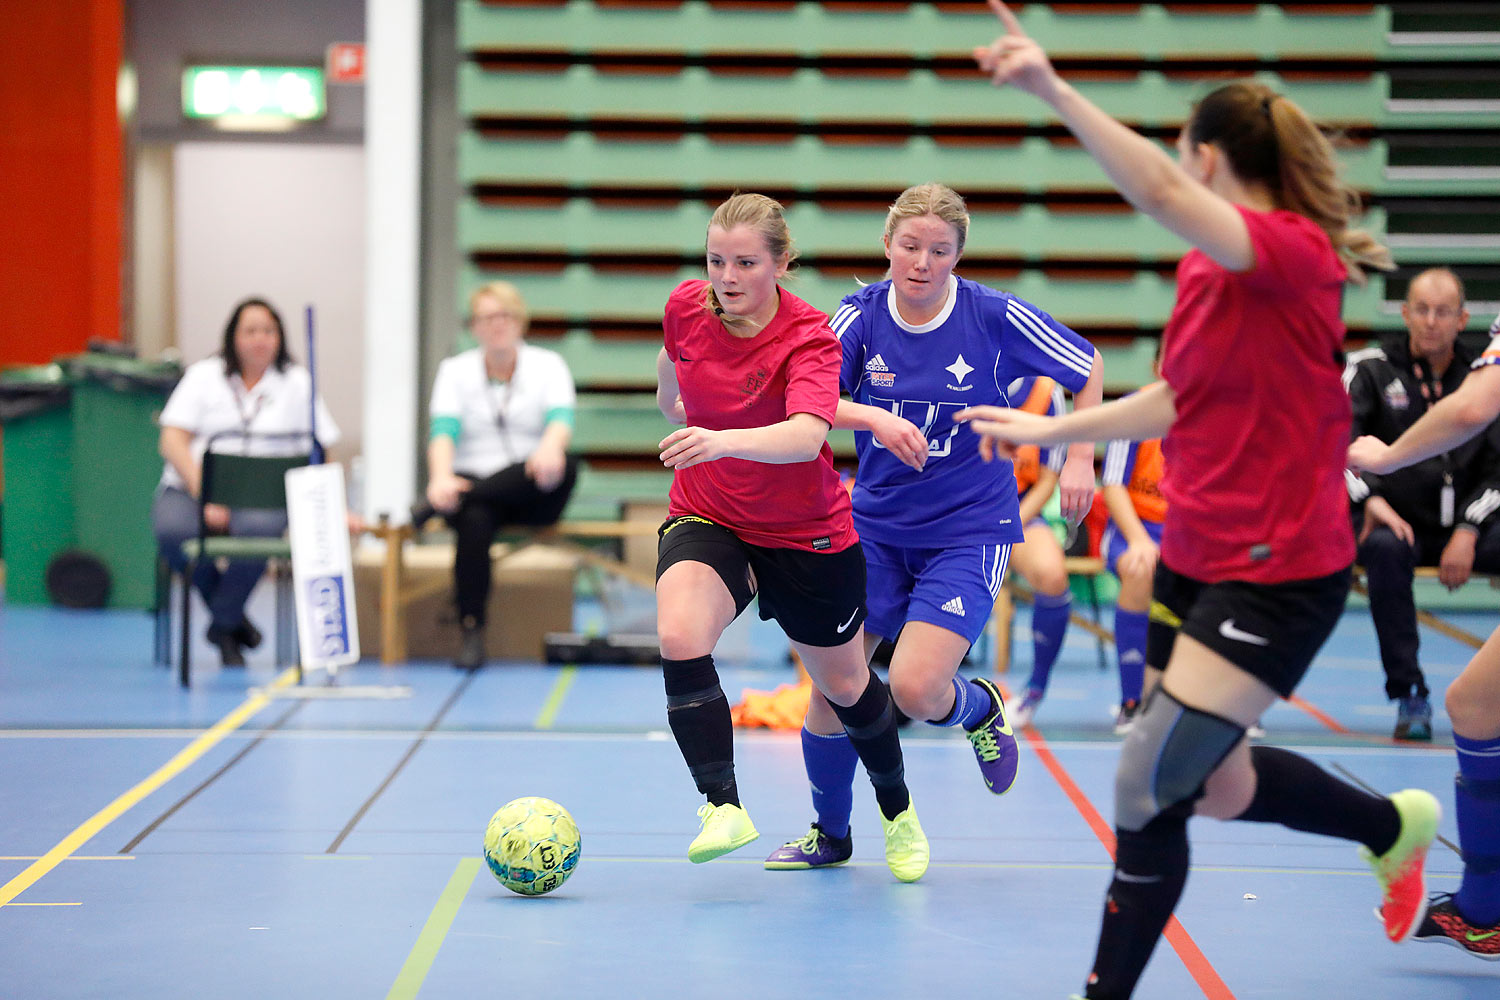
(955, 607)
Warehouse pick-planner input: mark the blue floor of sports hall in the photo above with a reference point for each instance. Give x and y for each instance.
(224, 842)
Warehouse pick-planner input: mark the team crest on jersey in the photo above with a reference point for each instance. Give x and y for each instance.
(1395, 395)
(751, 390)
(961, 370)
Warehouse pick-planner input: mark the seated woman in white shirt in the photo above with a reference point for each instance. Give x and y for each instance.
(249, 389)
(502, 418)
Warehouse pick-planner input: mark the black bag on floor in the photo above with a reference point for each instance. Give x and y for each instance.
(77, 579)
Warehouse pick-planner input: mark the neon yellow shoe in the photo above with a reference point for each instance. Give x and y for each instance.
(725, 828)
(906, 849)
(1399, 870)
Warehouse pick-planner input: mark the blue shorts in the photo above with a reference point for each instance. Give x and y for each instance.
(952, 588)
(1114, 544)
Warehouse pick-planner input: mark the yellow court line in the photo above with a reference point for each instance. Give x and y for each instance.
(414, 970)
(74, 857)
(548, 714)
(186, 756)
(44, 904)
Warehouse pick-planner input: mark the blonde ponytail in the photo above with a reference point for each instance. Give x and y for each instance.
(1310, 186)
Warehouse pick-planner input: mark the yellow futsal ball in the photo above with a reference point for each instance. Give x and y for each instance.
(532, 845)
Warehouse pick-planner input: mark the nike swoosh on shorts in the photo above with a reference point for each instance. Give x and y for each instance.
(1228, 631)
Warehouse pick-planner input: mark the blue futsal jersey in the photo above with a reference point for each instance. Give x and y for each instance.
(969, 354)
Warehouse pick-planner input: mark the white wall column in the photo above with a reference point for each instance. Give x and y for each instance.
(393, 138)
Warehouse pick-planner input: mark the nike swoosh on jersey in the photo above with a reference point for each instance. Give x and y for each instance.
(1228, 631)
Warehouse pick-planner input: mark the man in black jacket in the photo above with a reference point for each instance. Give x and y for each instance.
(1440, 512)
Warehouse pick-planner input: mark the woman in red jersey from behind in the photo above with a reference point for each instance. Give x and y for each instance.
(1256, 548)
(756, 509)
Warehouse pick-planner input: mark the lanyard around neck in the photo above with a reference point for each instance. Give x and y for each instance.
(247, 404)
(498, 409)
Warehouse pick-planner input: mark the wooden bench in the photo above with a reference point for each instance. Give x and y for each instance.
(1087, 567)
(396, 594)
(1091, 566)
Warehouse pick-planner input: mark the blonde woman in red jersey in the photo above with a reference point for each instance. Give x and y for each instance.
(1257, 547)
(757, 509)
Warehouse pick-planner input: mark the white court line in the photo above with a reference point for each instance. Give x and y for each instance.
(910, 742)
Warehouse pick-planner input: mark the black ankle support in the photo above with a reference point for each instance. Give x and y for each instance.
(871, 725)
(698, 715)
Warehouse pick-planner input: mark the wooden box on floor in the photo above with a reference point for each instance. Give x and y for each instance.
(531, 596)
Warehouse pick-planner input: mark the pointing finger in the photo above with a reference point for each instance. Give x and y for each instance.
(1007, 18)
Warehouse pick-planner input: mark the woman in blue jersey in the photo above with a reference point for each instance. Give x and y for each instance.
(936, 521)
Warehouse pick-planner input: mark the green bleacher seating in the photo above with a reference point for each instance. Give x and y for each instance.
(1272, 31)
(925, 97)
(615, 366)
(597, 136)
(1141, 298)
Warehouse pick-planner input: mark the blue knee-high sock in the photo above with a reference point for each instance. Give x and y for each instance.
(1476, 794)
(971, 705)
(1130, 651)
(1049, 620)
(830, 763)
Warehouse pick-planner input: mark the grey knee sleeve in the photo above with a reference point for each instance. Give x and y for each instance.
(1168, 755)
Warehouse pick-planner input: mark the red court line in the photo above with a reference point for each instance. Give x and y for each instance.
(1318, 713)
(1197, 964)
(1297, 701)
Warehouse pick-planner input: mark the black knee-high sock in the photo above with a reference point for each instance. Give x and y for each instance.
(1151, 868)
(871, 725)
(1295, 792)
(698, 714)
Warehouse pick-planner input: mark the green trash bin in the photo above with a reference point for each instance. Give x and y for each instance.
(36, 516)
(116, 405)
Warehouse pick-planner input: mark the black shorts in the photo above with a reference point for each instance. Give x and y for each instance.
(818, 598)
(1271, 631)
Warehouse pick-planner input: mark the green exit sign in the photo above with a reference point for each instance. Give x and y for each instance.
(270, 94)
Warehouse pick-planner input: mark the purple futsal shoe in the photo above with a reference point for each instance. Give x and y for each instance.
(995, 744)
(816, 850)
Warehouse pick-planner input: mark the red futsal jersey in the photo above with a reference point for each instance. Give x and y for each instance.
(1255, 459)
(792, 366)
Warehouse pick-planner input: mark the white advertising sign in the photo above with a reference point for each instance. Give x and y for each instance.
(322, 571)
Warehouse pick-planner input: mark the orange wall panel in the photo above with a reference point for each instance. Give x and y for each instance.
(61, 177)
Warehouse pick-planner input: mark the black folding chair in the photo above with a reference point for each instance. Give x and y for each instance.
(240, 481)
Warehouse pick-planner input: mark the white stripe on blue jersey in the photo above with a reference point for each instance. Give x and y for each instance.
(1116, 462)
(1046, 339)
(841, 320)
(1056, 456)
(1491, 355)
